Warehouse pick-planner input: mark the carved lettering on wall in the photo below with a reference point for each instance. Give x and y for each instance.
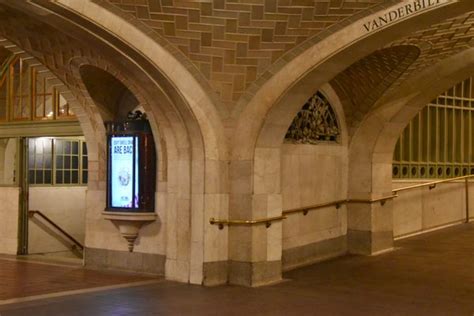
(413, 7)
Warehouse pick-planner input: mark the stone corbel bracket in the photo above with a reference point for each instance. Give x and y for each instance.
(129, 223)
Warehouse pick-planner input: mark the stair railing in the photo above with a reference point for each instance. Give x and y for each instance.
(32, 213)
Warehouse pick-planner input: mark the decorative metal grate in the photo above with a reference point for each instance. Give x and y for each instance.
(439, 140)
(316, 122)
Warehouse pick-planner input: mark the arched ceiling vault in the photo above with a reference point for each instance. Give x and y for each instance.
(231, 45)
(93, 41)
(56, 46)
(381, 73)
(64, 54)
(360, 85)
(438, 42)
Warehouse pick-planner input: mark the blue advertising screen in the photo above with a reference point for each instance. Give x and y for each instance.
(124, 171)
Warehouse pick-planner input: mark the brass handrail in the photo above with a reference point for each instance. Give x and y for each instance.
(382, 200)
(431, 184)
(268, 221)
(74, 240)
(305, 209)
(339, 203)
(224, 222)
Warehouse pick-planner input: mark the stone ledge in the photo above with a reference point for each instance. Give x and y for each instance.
(254, 273)
(367, 242)
(215, 273)
(296, 257)
(124, 260)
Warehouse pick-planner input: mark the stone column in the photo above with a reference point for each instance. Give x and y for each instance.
(370, 226)
(255, 251)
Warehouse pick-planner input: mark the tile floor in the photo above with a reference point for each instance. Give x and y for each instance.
(432, 274)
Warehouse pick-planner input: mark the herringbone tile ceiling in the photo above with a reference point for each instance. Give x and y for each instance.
(361, 84)
(439, 41)
(232, 42)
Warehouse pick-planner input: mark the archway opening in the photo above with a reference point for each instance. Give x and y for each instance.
(436, 145)
(111, 96)
(43, 159)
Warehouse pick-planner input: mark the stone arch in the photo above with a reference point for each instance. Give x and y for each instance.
(337, 105)
(163, 42)
(319, 64)
(172, 144)
(202, 121)
(178, 153)
(268, 113)
(190, 88)
(78, 83)
(88, 123)
(365, 81)
(85, 120)
(200, 143)
(113, 97)
(395, 111)
(170, 138)
(371, 150)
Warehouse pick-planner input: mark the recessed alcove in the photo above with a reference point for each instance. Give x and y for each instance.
(112, 97)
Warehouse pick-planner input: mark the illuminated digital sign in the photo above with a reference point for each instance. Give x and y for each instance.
(131, 165)
(124, 175)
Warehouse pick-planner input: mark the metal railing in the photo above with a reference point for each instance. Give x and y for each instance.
(338, 203)
(236, 222)
(31, 213)
(431, 185)
(267, 221)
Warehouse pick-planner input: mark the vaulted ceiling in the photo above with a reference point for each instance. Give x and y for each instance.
(232, 42)
(229, 45)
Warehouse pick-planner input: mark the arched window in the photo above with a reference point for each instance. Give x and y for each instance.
(316, 122)
(439, 141)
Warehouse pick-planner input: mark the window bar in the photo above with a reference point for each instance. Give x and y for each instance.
(428, 140)
(470, 157)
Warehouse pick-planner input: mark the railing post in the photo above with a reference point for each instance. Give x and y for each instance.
(466, 181)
